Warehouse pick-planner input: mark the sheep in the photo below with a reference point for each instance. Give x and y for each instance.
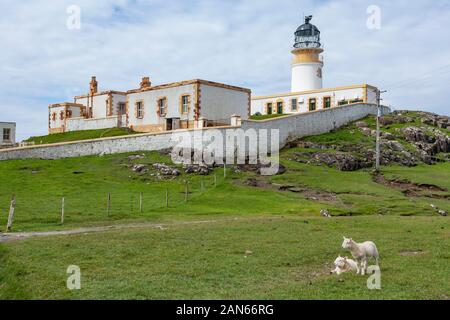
(361, 252)
(344, 264)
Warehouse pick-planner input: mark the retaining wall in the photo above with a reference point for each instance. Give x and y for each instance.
(290, 127)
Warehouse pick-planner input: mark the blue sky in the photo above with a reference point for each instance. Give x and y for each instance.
(244, 43)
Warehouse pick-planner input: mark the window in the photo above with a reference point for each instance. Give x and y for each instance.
(280, 107)
(357, 101)
(185, 104)
(327, 102)
(312, 104)
(343, 102)
(54, 116)
(61, 115)
(294, 103)
(6, 134)
(69, 114)
(269, 108)
(121, 109)
(139, 109)
(162, 107)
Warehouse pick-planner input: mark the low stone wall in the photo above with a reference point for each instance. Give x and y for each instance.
(290, 127)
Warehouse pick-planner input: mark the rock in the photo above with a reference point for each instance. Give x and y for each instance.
(198, 169)
(136, 157)
(386, 120)
(388, 136)
(361, 124)
(435, 120)
(443, 213)
(140, 168)
(325, 213)
(248, 253)
(281, 168)
(166, 170)
(366, 131)
(341, 161)
(252, 182)
(310, 145)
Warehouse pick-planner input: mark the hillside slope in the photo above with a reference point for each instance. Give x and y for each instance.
(235, 234)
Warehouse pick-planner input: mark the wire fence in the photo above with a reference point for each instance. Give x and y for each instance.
(30, 211)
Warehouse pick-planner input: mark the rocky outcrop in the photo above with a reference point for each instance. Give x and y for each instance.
(166, 170)
(435, 120)
(341, 161)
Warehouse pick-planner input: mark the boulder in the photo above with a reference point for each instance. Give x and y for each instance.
(361, 124)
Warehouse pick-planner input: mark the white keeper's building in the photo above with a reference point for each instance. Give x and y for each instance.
(307, 93)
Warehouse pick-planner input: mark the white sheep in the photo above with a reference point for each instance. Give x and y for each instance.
(344, 264)
(361, 252)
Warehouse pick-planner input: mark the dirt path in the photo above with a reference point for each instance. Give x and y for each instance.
(15, 236)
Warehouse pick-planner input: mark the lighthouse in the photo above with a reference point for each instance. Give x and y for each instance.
(307, 63)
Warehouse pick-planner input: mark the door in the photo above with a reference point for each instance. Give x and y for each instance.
(169, 124)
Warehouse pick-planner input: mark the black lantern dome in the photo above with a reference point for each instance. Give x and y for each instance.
(307, 35)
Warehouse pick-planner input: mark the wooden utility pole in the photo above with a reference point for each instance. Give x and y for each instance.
(186, 191)
(11, 214)
(215, 180)
(224, 170)
(62, 210)
(140, 202)
(378, 148)
(202, 185)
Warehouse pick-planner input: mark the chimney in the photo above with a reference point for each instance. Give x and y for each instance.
(93, 85)
(145, 83)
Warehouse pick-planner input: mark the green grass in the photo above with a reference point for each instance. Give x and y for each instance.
(291, 259)
(267, 116)
(85, 183)
(79, 135)
(293, 247)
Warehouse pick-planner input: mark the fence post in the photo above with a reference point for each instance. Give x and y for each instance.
(224, 170)
(62, 210)
(108, 207)
(215, 180)
(11, 214)
(140, 202)
(186, 191)
(202, 185)
(167, 197)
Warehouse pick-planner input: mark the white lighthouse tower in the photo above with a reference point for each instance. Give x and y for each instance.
(307, 63)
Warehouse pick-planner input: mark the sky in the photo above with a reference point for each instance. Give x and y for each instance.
(240, 42)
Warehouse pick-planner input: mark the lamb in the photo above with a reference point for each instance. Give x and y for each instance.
(344, 264)
(361, 252)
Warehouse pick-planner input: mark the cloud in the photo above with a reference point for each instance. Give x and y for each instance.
(244, 42)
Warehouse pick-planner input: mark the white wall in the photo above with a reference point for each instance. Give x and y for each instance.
(150, 99)
(259, 105)
(12, 127)
(220, 103)
(57, 123)
(78, 124)
(305, 76)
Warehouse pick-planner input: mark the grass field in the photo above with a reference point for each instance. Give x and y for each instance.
(200, 252)
(79, 135)
(291, 259)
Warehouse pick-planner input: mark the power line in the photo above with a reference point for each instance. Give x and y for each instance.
(422, 77)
